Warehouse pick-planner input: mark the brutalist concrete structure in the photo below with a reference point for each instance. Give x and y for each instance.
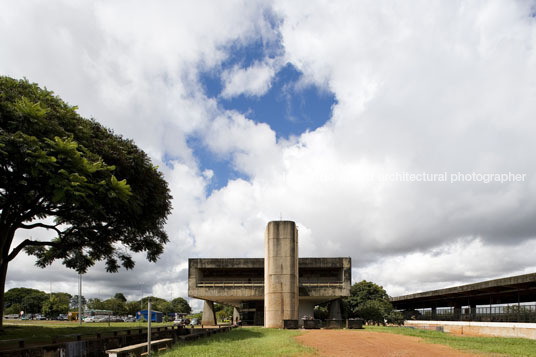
(280, 273)
(487, 295)
(267, 291)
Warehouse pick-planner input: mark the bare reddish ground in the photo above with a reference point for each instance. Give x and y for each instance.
(336, 343)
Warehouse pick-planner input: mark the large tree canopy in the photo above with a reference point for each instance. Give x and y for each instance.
(98, 192)
(181, 305)
(371, 302)
(24, 299)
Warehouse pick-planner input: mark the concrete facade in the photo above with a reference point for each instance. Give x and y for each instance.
(296, 284)
(514, 289)
(280, 273)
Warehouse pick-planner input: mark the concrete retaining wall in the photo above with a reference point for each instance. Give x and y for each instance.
(498, 329)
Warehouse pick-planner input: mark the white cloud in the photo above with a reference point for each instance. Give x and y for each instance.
(252, 81)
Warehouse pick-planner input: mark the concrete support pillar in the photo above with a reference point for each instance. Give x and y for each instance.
(209, 316)
(335, 310)
(236, 315)
(434, 313)
(280, 273)
(306, 308)
(458, 312)
(472, 309)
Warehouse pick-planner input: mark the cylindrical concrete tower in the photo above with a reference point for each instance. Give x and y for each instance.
(280, 273)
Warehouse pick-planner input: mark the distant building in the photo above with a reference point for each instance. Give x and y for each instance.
(156, 316)
(267, 291)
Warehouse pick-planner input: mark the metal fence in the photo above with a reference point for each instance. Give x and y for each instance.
(511, 313)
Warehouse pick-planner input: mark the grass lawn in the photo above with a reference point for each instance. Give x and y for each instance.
(502, 346)
(44, 331)
(244, 341)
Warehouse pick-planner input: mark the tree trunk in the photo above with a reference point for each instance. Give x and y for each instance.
(3, 274)
(6, 238)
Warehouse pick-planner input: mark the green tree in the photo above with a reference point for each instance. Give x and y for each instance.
(57, 304)
(121, 297)
(65, 298)
(370, 302)
(365, 291)
(73, 304)
(132, 307)
(25, 299)
(373, 311)
(223, 312)
(362, 292)
(395, 317)
(15, 308)
(320, 312)
(157, 304)
(181, 305)
(95, 304)
(102, 192)
(33, 304)
(118, 306)
(165, 307)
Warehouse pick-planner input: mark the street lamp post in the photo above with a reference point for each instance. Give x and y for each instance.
(149, 318)
(80, 299)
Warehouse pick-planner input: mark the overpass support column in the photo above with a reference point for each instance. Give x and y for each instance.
(434, 313)
(472, 309)
(280, 273)
(335, 310)
(457, 312)
(209, 316)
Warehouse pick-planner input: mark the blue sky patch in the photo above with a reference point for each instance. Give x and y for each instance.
(221, 166)
(288, 109)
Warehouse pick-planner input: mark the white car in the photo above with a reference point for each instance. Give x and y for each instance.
(90, 319)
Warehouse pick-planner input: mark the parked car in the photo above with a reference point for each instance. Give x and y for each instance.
(181, 322)
(62, 317)
(90, 319)
(129, 319)
(107, 318)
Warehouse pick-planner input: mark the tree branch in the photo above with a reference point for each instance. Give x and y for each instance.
(41, 225)
(25, 243)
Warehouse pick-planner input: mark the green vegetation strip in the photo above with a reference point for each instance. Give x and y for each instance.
(245, 341)
(501, 346)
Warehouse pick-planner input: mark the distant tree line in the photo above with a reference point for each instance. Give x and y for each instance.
(33, 301)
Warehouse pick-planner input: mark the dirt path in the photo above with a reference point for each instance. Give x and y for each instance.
(335, 343)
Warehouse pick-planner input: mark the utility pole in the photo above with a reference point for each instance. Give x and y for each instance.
(149, 318)
(80, 299)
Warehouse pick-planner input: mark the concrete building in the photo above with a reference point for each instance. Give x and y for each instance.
(509, 299)
(156, 316)
(503, 307)
(267, 291)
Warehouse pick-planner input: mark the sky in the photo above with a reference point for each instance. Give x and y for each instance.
(399, 133)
